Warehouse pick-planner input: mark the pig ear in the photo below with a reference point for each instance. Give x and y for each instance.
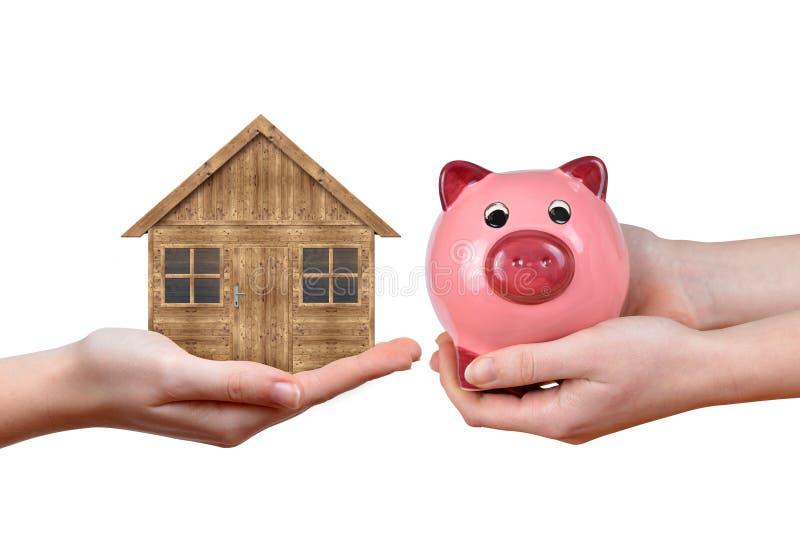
(591, 171)
(455, 176)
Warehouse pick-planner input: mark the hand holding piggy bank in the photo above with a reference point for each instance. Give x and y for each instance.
(523, 257)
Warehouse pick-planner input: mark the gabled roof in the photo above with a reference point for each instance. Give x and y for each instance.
(267, 129)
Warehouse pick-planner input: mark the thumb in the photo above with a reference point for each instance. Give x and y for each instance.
(534, 363)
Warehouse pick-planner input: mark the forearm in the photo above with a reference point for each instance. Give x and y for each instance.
(736, 282)
(754, 361)
(35, 396)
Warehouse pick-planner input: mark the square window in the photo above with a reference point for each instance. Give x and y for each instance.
(206, 261)
(315, 289)
(315, 260)
(176, 290)
(176, 261)
(345, 260)
(345, 289)
(192, 275)
(206, 290)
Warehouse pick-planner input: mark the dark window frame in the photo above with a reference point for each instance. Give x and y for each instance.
(191, 276)
(331, 275)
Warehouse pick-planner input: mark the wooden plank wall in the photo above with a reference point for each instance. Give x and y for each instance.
(322, 333)
(319, 334)
(260, 185)
(201, 330)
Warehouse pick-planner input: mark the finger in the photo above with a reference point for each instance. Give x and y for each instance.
(448, 375)
(233, 381)
(344, 374)
(534, 363)
(444, 337)
(434, 363)
(532, 413)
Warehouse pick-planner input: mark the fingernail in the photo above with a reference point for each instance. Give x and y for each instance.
(287, 394)
(481, 371)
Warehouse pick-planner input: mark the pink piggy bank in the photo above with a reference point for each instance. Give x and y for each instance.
(523, 257)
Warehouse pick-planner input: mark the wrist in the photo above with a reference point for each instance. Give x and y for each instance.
(681, 266)
(755, 361)
(70, 402)
(729, 375)
(659, 281)
(699, 375)
(712, 377)
(39, 393)
(694, 270)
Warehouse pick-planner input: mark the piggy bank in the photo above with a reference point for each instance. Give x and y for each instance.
(523, 257)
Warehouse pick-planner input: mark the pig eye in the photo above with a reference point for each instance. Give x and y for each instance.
(495, 214)
(559, 211)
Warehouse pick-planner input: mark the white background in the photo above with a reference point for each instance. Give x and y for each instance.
(103, 110)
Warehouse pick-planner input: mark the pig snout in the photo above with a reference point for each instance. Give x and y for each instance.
(529, 267)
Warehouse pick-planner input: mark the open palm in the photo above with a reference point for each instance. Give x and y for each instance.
(141, 380)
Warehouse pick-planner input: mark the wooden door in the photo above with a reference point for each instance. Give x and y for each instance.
(260, 321)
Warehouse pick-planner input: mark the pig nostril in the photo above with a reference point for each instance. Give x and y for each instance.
(546, 261)
(517, 262)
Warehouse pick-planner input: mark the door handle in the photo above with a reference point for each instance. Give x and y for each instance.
(236, 295)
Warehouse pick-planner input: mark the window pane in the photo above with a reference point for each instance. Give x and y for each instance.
(206, 290)
(315, 260)
(315, 289)
(345, 289)
(176, 290)
(345, 260)
(206, 260)
(176, 261)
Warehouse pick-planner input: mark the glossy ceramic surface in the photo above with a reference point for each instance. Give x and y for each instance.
(522, 257)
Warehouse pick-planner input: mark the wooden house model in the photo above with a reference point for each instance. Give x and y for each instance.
(262, 255)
